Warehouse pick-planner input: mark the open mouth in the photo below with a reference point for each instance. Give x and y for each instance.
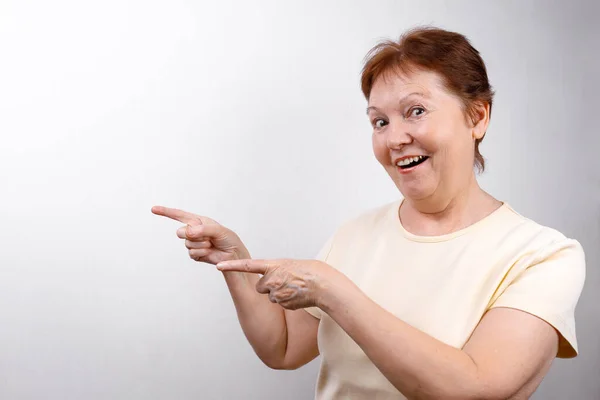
(411, 162)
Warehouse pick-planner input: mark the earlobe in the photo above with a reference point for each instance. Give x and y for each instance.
(478, 134)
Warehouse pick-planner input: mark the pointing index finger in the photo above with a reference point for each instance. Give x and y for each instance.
(251, 266)
(176, 214)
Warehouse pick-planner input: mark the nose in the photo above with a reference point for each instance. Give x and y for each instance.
(398, 136)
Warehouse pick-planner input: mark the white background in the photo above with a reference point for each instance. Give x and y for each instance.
(251, 113)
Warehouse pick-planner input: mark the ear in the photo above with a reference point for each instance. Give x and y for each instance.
(481, 120)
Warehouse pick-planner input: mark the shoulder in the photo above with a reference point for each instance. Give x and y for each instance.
(370, 219)
(359, 228)
(364, 228)
(535, 247)
(535, 237)
(546, 280)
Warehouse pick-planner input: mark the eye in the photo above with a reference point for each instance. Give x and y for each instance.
(379, 123)
(416, 111)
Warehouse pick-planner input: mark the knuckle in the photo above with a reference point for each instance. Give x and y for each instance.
(276, 283)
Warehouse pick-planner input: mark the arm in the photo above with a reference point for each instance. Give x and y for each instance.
(507, 356)
(282, 339)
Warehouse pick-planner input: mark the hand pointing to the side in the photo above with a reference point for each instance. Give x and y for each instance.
(207, 240)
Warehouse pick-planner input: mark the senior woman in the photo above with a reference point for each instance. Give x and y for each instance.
(446, 294)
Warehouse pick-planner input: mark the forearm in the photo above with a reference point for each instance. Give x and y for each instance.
(417, 364)
(263, 322)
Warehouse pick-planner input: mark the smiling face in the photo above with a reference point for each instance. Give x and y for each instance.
(421, 135)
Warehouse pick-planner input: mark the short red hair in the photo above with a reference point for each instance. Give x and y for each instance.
(449, 54)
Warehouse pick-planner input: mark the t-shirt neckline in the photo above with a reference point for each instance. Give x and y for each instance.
(448, 236)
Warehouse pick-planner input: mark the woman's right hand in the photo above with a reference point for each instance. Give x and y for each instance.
(207, 240)
(281, 338)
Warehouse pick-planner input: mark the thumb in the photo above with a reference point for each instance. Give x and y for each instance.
(262, 285)
(189, 230)
(202, 230)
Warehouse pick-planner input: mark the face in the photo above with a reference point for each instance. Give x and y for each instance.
(421, 135)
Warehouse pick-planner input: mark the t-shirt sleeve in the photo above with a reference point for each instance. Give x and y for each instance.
(549, 288)
(321, 256)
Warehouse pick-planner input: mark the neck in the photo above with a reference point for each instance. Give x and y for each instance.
(439, 215)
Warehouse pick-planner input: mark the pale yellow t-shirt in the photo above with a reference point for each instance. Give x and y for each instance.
(443, 285)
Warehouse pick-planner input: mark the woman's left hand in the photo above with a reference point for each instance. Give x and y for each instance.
(293, 284)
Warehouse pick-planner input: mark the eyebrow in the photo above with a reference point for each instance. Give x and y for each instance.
(418, 94)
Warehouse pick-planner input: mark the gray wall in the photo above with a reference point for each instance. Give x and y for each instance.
(249, 112)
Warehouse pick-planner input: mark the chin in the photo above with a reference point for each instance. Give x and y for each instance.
(416, 185)
(414, 191)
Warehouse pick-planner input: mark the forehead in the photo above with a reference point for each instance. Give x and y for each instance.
(395, 85)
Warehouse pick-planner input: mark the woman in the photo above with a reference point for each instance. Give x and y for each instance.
(446, 294)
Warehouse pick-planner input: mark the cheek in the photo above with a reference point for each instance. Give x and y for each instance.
(460, 143)
(440, 138)
(455, 152)
(428, 135)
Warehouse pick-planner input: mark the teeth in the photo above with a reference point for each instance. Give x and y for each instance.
(409, 160)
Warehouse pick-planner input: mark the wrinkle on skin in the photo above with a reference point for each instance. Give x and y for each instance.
(441, 194)
(293, 284)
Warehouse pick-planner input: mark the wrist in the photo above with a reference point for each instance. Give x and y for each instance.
(238, 254)
(242, 254)
(336, 293)
(239, 277)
